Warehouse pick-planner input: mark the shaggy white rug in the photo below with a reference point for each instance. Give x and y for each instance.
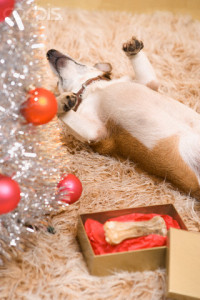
(55, 268)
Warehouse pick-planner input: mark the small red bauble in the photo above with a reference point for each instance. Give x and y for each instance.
(9, 194)
(40, 107)
(72, 186)
(6, 8)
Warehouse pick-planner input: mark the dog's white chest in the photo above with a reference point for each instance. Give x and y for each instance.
(145, 114)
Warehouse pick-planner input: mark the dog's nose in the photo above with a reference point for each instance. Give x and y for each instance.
(54, 53)
(50, 53)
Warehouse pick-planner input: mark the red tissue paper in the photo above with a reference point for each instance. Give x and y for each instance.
(95, 232)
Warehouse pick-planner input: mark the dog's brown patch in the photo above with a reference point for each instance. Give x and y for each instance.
(154, 85)
(163, 160)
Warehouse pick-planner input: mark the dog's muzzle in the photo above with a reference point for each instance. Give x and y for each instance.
(56, 59)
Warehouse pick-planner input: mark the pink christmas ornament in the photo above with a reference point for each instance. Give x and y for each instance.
(9, 194)
(71, 189)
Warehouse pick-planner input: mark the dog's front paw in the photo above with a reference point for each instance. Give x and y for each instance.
(133, 46)
(66, 102)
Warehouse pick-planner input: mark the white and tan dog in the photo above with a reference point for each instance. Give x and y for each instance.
(130, 119)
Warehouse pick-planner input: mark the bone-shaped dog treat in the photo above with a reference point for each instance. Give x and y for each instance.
(116, 232)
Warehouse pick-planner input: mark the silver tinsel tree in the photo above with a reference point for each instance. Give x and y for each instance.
(21, 56)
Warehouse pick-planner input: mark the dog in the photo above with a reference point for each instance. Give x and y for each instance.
(130, 118)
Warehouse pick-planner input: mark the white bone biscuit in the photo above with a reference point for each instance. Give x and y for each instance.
(116, 232)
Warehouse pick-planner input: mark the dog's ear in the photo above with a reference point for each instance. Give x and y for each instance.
(104, 67)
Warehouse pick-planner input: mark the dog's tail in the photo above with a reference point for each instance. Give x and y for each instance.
(189, 147)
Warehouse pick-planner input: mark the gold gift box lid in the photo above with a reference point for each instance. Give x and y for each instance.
(183, 265)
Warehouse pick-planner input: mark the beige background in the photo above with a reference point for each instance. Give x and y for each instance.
(191, 7)
(54, 268)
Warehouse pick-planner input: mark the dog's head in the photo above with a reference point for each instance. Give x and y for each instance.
(72, 74)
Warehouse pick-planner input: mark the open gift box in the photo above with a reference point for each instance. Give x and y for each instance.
(150, 258)
(137, 260)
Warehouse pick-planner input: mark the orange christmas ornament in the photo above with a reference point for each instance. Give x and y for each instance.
(40, 107)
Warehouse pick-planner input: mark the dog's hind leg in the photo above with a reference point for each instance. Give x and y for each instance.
(144, 72)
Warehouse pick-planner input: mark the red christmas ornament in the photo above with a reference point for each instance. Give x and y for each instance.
(72, 186)
(9, 194)
(6, 8)
(40, 107)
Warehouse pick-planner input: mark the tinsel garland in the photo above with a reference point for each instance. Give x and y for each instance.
(21, 56)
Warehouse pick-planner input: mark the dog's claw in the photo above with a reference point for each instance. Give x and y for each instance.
(133, 46)
(65, 108)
